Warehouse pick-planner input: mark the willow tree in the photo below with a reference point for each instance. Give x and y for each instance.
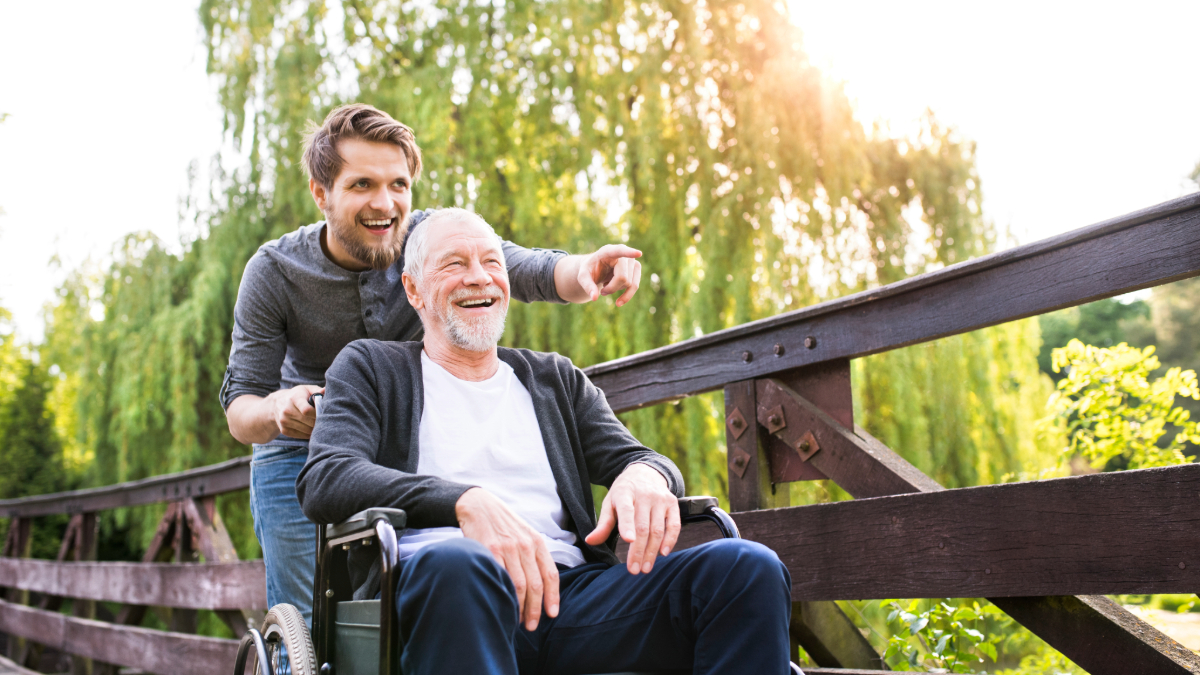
(696, 131)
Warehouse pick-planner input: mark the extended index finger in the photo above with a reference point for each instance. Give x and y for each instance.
(611, 251)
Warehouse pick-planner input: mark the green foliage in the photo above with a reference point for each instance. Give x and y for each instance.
(962, 409)
(943, 636)
(892, 622)
(1115, 416)
(697, 132)
(1103, 323)
(29, 448)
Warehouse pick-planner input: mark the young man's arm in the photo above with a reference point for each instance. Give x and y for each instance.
(542, 275)
(256, 409)
(612, 269)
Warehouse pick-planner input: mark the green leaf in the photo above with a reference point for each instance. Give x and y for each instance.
(941, 644)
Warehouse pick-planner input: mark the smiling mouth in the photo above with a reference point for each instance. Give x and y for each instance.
(378, 225)
(474, 303)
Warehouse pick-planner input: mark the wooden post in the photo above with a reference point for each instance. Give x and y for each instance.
(18, 544)
(183, 620)
(85, 551)
(750, 486)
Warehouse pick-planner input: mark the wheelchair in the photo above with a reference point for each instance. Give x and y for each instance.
(362, 637)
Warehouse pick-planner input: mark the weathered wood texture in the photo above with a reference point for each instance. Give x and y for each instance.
(208, 480)
(239, 585)
(141, 648)
(1127, 532)
(1142, 249)
(857, 462)
(1099, 635)
(749, 478)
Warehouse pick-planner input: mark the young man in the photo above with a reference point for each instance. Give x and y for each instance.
(308, 294)
(491, 452)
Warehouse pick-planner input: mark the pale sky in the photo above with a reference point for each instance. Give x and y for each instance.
(1081, 112)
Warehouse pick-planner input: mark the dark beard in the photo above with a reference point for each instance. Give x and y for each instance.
(379, 258)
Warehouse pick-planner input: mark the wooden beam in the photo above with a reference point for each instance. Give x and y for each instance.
(830, 637)
(1142, 249)
(858, 463)
(193, 586)
(749, 475)
(1094, 632)
(1127, 532)
(207, 480)
(141, 648)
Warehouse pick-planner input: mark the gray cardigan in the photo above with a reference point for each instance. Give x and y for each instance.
(364, 448)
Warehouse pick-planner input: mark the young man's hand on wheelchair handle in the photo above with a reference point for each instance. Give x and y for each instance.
(645, 512)
(520, 550)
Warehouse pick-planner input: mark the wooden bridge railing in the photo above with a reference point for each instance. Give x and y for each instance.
(190, 528)
(1036, 549)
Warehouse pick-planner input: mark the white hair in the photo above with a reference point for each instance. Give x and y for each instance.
(417, 247)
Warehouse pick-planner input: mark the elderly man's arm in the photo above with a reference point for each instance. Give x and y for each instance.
(343, 475)
(644, 486)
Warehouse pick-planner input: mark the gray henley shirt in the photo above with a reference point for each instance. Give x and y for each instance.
(296, 309)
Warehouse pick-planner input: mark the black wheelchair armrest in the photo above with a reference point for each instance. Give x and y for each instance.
(363, 523)
(696, 509)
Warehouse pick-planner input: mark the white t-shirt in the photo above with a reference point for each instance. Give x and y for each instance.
(486, 434)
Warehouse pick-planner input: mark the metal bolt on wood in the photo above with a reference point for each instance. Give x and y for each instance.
(779, 350)
(810, 342)
(747, 356)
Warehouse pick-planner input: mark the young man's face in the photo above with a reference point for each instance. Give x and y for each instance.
(367, 206)
(463, 294)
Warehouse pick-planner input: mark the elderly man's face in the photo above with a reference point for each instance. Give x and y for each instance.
(464, 286)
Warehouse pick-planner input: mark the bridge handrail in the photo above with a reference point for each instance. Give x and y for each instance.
(213, 479)
(1150, 247)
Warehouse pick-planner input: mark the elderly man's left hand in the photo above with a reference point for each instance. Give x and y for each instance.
(645, 512)
(611, 269)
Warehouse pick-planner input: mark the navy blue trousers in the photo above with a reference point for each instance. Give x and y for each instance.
(722, 607)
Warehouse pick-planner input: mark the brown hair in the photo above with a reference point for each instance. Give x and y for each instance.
(361, 121)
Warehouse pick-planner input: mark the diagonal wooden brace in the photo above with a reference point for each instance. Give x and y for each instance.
(213, 542)
(858, 463)
(1097, 634)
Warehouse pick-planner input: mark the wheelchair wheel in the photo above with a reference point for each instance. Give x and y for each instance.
(289, 647)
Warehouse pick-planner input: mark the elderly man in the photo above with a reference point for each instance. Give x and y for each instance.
(492, 451)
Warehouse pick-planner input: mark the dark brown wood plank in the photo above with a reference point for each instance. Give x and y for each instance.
(1147, 248)
(239, 585)
(1094, 631)
(149, 650)
(749, 474)
(207, 480)
(1127, 532)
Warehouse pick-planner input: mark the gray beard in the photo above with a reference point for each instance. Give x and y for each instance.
(473, 336)
(379, 258)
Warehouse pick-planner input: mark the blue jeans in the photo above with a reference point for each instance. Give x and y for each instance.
(288, 539)
(722, 607)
